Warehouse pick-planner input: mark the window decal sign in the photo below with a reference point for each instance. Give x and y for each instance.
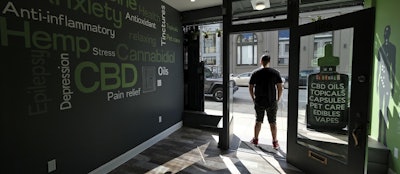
(328, 95)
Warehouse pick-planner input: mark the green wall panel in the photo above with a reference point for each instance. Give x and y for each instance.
(385, 119)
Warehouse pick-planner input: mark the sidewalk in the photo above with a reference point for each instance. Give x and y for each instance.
(243, 125)
(244, 118)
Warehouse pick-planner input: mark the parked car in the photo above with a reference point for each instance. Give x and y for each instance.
(242, 79)
(303, 78)
(213, 87)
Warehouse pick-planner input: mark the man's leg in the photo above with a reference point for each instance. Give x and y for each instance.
(259, 120)
(257, 129)
(273, 131)
(275, 143)
(271, 112)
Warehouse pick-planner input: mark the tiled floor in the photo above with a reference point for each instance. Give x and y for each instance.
(190, 150)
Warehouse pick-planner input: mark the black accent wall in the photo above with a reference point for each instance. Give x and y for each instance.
(84, 81)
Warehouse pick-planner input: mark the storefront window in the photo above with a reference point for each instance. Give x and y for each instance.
(247, 49)
(211, 60)
(283, 48)
(210, 43)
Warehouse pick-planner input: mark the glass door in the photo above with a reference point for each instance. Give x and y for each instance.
(328, 125)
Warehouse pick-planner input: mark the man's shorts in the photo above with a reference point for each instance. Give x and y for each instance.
(271, 112)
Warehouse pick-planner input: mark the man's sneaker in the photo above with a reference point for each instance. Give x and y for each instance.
(275, 144)
(254, 141)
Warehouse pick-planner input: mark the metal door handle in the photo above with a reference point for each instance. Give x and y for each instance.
(354, 133)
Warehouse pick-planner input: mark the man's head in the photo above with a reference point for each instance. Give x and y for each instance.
(265, 59)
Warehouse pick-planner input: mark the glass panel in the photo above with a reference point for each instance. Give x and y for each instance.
(238, 57)
(211, 60)
(255, 55)
(211, 54)
(247, 56)
(283, 47)
(320, 40)
(246, 49)
(244, 11)
(325, 99)
(248, 38)
(313, 5)
(210, 42)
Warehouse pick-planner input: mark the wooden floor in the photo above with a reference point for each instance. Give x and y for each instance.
(190, 150)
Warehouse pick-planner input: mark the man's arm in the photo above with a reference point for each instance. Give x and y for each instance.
(279, 87)
(251, 90)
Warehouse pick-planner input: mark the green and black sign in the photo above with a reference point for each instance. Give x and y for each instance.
(328, 95)
(327, 100)
(89, 47)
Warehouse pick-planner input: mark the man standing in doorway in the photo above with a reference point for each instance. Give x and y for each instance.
(263, 85)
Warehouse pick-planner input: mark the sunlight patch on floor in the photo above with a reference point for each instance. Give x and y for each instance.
(229, 164)
(181, 162)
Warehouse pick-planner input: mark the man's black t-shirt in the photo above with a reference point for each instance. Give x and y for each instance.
(265, 80)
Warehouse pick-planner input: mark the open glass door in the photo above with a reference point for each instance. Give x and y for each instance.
(328, 125)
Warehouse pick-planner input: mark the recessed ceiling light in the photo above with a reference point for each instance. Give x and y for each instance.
(192, 0)
(260, 4)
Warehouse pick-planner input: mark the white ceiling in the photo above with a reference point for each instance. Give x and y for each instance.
(186, 5)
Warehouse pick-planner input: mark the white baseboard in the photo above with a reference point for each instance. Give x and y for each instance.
(111, 165)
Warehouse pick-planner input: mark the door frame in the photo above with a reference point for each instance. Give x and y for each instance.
(226, 133)
(362, 23)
